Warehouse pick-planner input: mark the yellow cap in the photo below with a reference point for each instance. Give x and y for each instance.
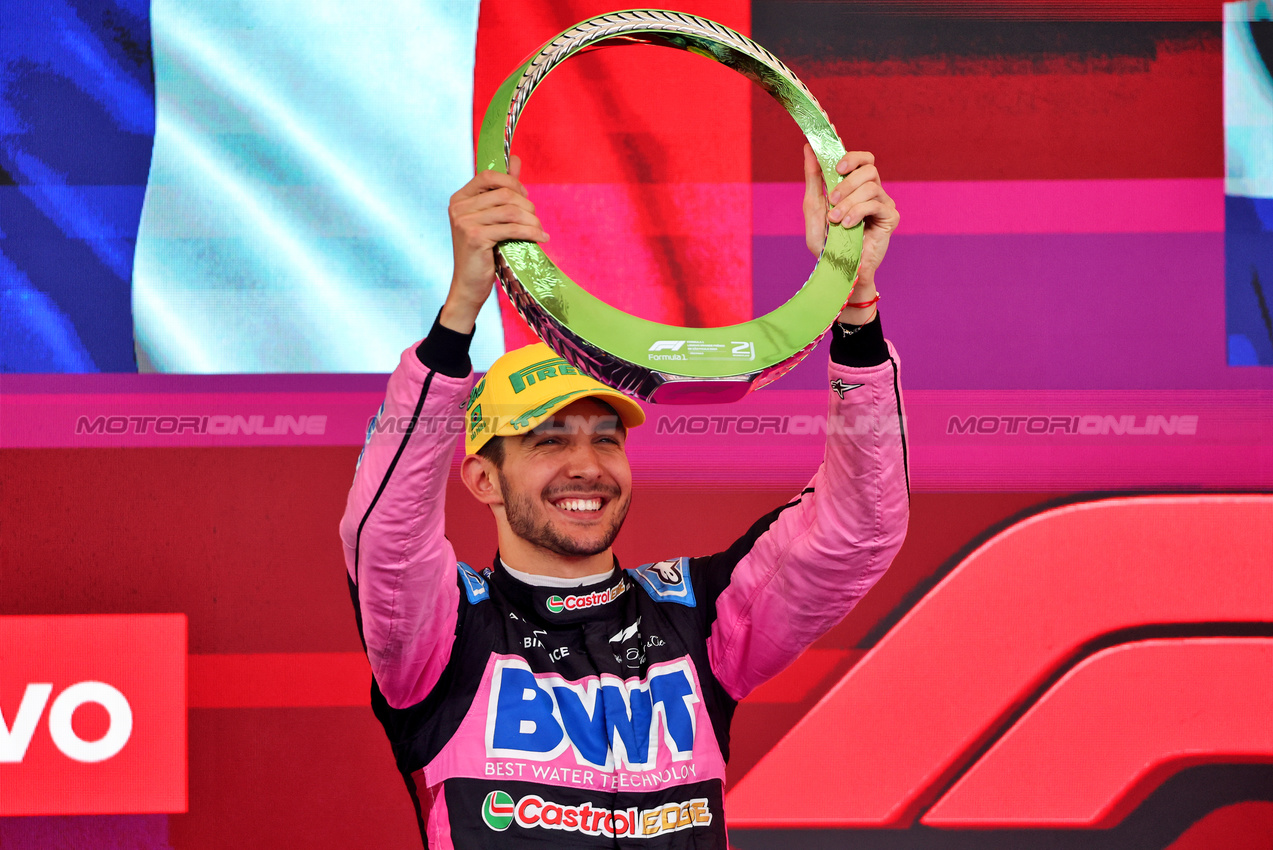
(528, 385)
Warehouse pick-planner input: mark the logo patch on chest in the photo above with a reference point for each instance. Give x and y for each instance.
(606, 721)
(497, 810)
(667, 581)
(583, 601)
(534, 812)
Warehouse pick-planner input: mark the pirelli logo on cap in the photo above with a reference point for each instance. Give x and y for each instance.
(541, 371)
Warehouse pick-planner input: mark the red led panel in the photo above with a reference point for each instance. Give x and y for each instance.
(94, 714)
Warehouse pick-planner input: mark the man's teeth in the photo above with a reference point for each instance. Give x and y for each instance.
(580, 504)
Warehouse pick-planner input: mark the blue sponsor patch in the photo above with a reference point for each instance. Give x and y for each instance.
(607, 722)
(667, 581)
(474, 585)
(371, 429)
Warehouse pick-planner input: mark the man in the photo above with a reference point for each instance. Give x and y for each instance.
(553, 697)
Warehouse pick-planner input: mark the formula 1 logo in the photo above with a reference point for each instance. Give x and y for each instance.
(667, 345)
(580, 602)
(93, 715)
(534, 812)
(1072, 754)
(497, 810)
(606, 721)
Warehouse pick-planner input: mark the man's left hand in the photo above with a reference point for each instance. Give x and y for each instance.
(858, 197)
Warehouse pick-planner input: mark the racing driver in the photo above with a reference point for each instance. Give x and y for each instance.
(553, 697)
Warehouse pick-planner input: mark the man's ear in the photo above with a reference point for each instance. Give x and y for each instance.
(482, 479)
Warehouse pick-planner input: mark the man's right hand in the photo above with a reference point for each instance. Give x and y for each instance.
(490, 208)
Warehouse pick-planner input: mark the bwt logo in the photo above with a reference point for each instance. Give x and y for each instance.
(93, 715)
(603, 719)
(15, 741)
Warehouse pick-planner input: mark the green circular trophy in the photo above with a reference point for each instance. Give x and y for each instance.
(648, 360)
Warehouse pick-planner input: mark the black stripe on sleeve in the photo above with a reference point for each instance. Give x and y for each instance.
(901, 425)
(415, 415)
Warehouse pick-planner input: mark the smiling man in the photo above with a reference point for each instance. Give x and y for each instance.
(553, 697)
(545, 449)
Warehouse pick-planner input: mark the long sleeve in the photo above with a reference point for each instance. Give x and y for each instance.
(402, 569)
(801, 569)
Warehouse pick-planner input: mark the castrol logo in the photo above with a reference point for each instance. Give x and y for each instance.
(581, 602)
(534, 812)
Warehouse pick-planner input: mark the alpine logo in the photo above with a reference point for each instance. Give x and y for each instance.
(629, 656)
(605, 721)
(580, 602)
(667, 581)
(626, 634)
(534, 812)
(497, 810)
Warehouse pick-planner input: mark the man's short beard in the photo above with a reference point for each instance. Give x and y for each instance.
(519, 511)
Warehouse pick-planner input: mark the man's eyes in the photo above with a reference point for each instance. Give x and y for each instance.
(556, 441)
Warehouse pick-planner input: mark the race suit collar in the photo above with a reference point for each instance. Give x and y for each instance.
(562, 605)
(554, 581)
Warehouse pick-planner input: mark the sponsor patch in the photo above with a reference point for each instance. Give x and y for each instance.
(607, 721)
(667, 581)
(475, 587)
(840, 387)
(371, 430)
(583, 601)
(497, 810)
(534, 812)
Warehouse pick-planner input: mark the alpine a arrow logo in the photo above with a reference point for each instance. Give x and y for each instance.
(497, 810)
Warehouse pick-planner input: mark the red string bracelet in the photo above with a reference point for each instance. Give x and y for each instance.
(861, 304)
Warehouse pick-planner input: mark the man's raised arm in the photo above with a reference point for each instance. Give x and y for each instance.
(402, 569)
(801, 569)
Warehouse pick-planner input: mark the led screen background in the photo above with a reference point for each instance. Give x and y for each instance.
(1062, 294)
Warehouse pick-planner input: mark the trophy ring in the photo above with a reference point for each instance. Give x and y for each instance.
(648, 360)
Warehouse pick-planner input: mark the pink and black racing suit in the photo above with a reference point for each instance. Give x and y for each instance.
(598, 715)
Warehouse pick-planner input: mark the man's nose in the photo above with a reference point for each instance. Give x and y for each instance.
(582, 461)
